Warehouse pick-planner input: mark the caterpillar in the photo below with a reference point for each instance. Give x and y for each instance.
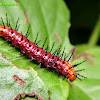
(52, 61)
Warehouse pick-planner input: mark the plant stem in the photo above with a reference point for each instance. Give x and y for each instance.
(95, 34)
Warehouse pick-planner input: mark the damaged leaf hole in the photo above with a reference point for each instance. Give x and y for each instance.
(18, 80)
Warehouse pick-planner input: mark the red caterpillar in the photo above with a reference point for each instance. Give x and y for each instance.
(36, 53)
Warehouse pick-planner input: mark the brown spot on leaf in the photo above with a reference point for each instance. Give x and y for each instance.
(49, 94)
(85, 56)
(28, 94)
(3, 55)
(17, 1)
(58, 37)
(18, 80)
(27, 19)
(91, 62)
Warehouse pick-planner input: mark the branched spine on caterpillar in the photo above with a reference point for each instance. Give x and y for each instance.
(36, 53)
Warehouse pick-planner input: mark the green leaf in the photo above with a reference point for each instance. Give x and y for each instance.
(89, 88)
(14, 81)
(46, 17)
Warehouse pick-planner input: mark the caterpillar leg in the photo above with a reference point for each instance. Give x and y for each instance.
(45, 69)
(38, 65)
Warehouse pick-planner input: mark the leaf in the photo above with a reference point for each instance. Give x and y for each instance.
(46, 17)
(14, 81)
(89, 88)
